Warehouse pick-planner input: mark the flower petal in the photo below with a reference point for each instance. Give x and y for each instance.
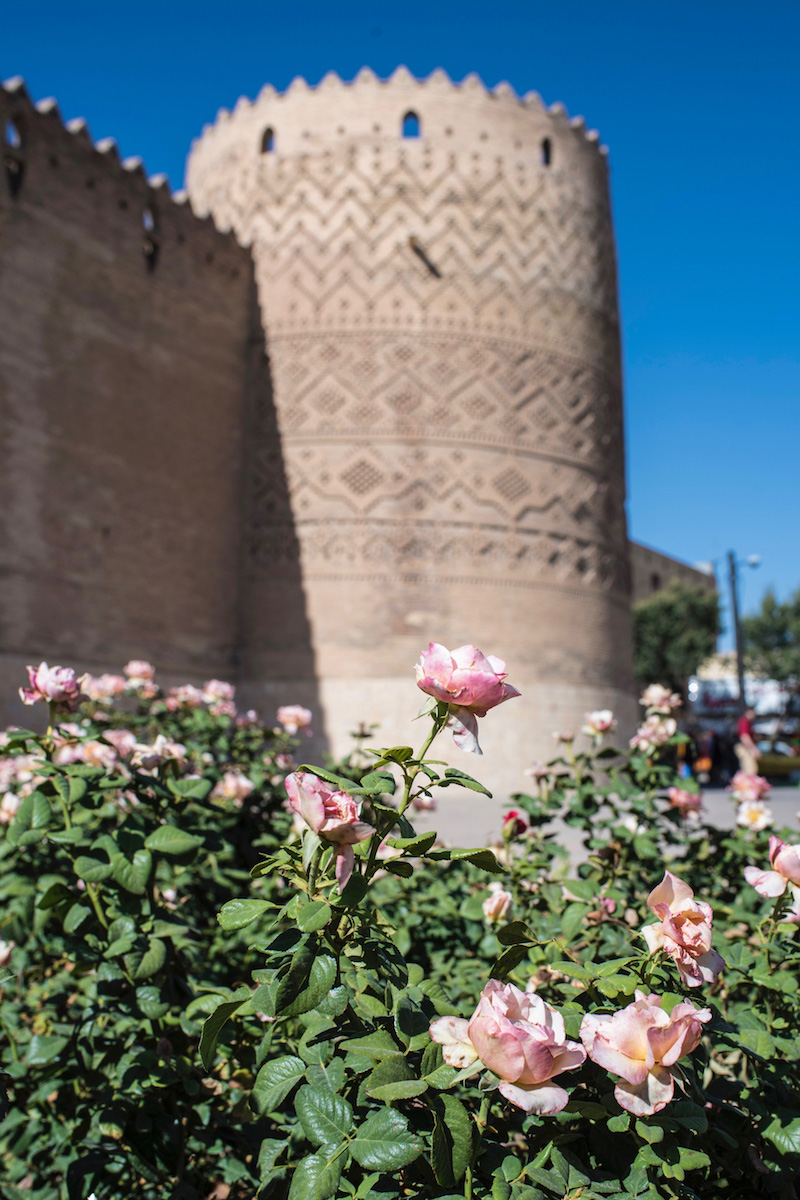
(541, 1098)
(766, 883)
(648, 1097)
(464, 725)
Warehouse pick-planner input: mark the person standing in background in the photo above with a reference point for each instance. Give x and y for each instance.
(746, 748)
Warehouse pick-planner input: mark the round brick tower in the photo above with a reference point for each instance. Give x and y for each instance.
(436, 276)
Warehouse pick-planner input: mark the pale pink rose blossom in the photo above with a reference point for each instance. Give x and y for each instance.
(295, 719)
(785, 862)
(747, 787)
(659, 699)
(685, 802)
(217, 689)
(185, 696)
(653, 733)
(104, 687)
(233, 786)
(683, 931)
(608, 905)
(520, 1038)
(5, 952)
(468, 682)
(595, 724)
(53, 685)
(331, 814)
(163, 749)
(640, 1043)
(223, 708)
(497, 904)
(8, 807)
(752, 814)
(139, 671)
(122, 740)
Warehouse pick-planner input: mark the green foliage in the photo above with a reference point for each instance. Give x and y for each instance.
(772, 639)
(194, 1007)
(674, 631)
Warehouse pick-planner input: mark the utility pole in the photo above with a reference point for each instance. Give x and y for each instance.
(737, 629)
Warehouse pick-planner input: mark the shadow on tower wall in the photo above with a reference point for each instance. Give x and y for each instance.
(275, 656)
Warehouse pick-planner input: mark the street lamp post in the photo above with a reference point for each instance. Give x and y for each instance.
(752, 560)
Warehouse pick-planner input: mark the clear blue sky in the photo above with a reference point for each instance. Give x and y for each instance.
(698, 101)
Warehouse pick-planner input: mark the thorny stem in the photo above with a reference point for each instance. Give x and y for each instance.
(481, 1121)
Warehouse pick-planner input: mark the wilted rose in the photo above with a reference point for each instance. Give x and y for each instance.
(684, 931)
(785, 862)
(468, 682)
(332, 814)
(640, 1043)
(520, 1038)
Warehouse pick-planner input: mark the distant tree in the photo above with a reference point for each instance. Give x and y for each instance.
(675, 629)
(772, 639)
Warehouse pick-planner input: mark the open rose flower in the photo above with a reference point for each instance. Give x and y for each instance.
(185, 696)
(640, 1043)
(683, 931)
(139, 671)
(104, 687)
(215, 690)
(53, 685)
(163, 749)
(468, 682)
(785, 862)
(688, 804)
(233, 786)
(293, 718)
(8, 807)
(746, 787)
(520, 1038)
(654, 733)
(752, 814)
(659, 699)
(331, 814)
(497, 904)
(595, 724)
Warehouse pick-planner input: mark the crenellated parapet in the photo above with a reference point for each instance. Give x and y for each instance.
(47, 158)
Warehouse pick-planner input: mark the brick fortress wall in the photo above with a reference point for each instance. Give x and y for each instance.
(127, 351)
(441, 320)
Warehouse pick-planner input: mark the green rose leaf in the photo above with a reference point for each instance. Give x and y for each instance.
(375, 784)
(169, 839)
(313, 916)
(784, 1132)
(274, 1082)
(92, 870)
(235, 914)
(451, 1148)
(326, 1118)
(143, 964)
(190, 789)
(132, 873)
(29, 823)
(212, 1027)
(384, 1143)
(43, 1048)
(317, 1176)
(452, 775)
(402, 1090)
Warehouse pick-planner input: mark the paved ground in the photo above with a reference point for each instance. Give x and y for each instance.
(470, 819)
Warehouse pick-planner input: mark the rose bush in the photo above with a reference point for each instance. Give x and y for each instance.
(227, 974)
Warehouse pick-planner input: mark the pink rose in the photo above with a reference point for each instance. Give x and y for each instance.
(233, 786)
(216, 689)
(653, 733)
(293, 717)
(598, 723)
(684, 931)
(247, 719)
(745, 786)
(659, 699)
(468, 682)
(139, 671)
(520, 1038)
(104, 687)
(122, 740)
(187, 695)
(785, 862)
(685, 802)
(163, 749)
(640, 1043)
(497, 903)
(53, 685)
(333, 815)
